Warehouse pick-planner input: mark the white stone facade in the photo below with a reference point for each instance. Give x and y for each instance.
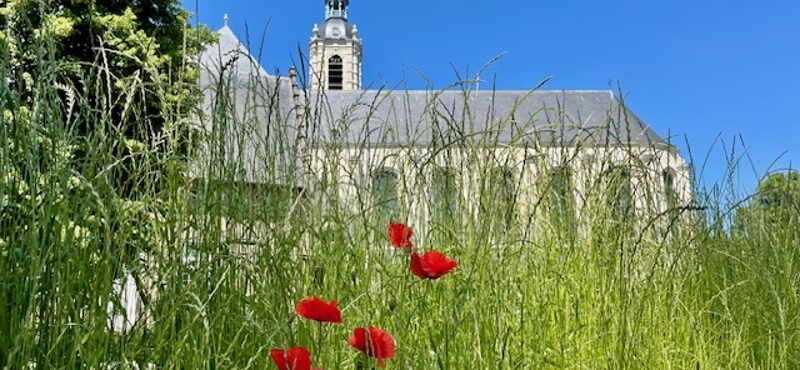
(354, 168)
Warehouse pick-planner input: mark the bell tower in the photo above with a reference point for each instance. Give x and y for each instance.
(335, 50)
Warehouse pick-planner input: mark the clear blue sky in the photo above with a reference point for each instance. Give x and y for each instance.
(705, 70)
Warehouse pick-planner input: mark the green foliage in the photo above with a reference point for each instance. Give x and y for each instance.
(777, 197)
(129, 64)
(774, 208)
(96, 101)
(750, 278)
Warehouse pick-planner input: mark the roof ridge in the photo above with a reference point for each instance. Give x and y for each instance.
(228, 37)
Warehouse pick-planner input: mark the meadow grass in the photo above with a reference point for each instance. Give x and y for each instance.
(220, 263)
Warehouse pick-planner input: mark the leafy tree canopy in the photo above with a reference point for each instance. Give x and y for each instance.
(775, 203)
(779, 190)
(128, 65)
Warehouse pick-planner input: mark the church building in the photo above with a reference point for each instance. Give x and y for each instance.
(454, 155)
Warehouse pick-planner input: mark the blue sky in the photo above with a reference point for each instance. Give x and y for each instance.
(711, 71)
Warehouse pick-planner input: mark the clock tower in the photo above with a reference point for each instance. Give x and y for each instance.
(335, 50)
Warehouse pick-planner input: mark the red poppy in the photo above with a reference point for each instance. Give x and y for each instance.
(316, 309)
(296, 358)
(399, 235)
(431, 265)
(376, 343)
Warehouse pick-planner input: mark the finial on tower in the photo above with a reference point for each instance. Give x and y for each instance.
(336, 9)
(225, 18)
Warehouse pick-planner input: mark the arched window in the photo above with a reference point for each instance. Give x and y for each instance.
(384, 194)
(335, 74)
(670, 194)
(561, 194)
(621, 194)
(444, 194)
(499, 198)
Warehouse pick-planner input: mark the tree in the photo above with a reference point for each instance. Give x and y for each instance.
(775, 206)
(128, 65)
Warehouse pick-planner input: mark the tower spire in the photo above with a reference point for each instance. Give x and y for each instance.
(335, 50)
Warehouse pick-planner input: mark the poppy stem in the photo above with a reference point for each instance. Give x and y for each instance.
(318, 343)
(372, 366)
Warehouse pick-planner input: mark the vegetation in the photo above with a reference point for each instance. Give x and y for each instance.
(776, 201)
(123, 64)
(220, 265)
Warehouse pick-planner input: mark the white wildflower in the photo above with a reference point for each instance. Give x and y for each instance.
(74, 182)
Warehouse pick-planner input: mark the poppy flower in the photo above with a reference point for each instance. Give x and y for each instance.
(318, 310)
(373, 342)
(296, 358)
(431, 265)
(399, 235)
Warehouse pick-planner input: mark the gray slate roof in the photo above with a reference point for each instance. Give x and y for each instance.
(548, 117)
(248, 114)
(229, 51)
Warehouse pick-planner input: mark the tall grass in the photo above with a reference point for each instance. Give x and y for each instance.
(220, 262)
